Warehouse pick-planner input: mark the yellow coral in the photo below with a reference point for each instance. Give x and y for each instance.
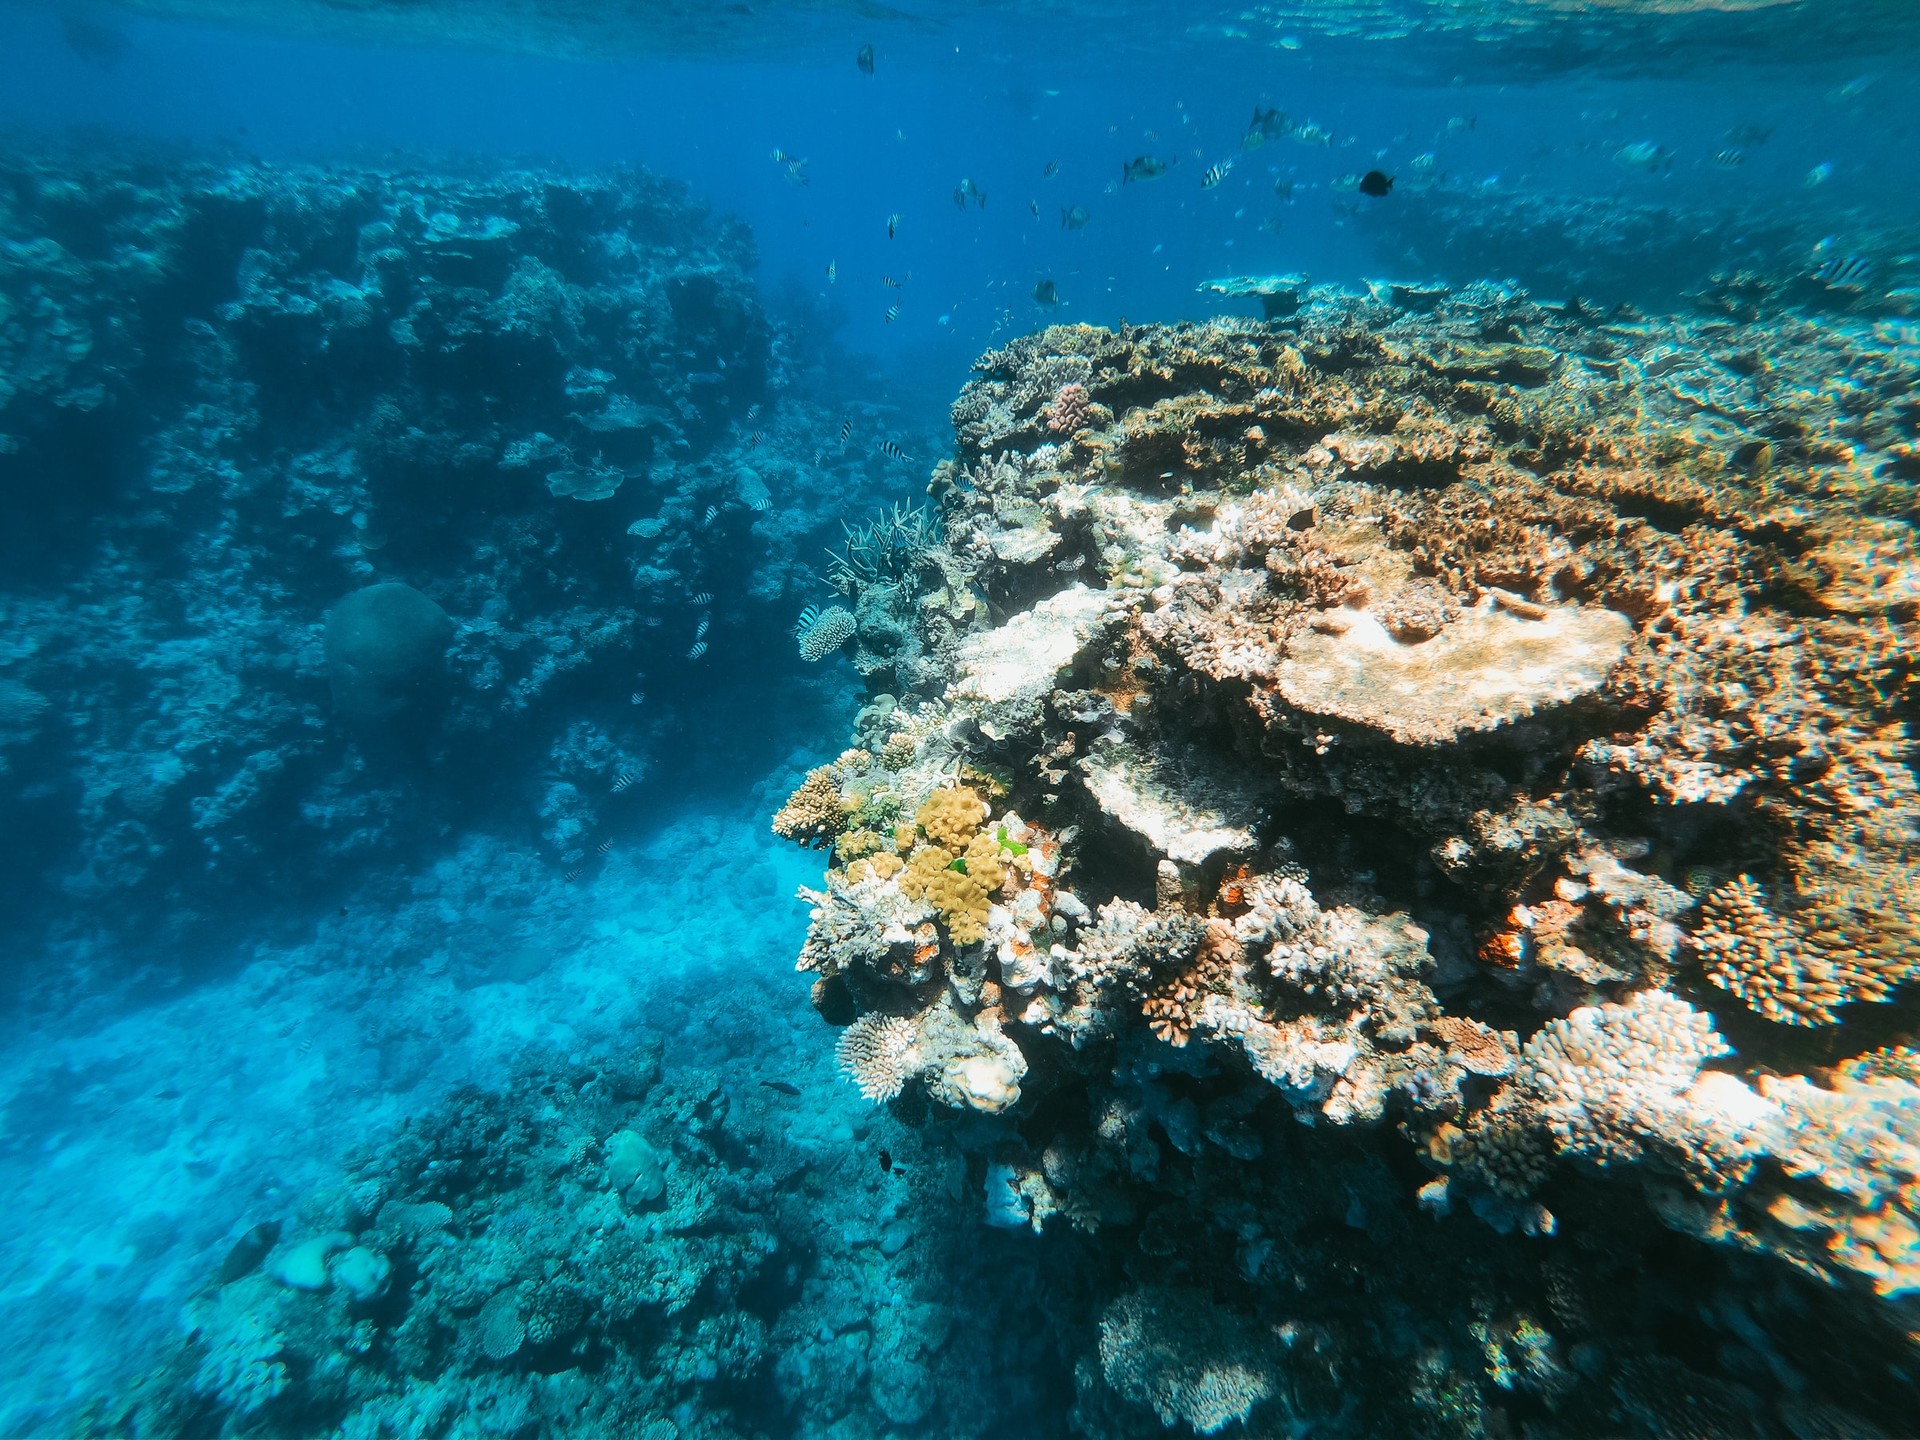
(950, 818)
(856, 843)
(959, 895)
(815, 812)
(876, 867)
(1748, 952)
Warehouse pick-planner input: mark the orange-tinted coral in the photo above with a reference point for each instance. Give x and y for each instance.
(815, 812)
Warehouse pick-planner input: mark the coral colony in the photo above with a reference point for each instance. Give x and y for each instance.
(1391, 824)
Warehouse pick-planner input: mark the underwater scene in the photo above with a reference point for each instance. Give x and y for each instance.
(1002, 719)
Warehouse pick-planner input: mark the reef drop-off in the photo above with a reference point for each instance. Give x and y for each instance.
(1399, 825)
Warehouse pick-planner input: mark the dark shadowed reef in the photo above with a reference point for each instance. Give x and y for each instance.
(526, 435)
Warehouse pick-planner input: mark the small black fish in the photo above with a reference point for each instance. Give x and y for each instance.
(892, 451)
(1046, 294)
(571, 876)
(1376, 184)
(865, 59)
(846, 429)
(782, 1086)
(605, 847)
(886, 1162)
(248, 1251)
(754, 440)
(624, 781)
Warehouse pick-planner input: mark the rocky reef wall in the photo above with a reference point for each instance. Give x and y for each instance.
(331, 488)
(1397, 831)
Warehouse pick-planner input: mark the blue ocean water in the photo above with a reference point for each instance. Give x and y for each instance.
(313, 926)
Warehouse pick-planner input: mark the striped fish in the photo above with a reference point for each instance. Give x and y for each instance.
(891, 283)
(700, 630)
(846, 429)
(572, 875)
(639, 697)
(712, 510)
(893, 224)
(754, 440)
(699, 649)
(603, 847)
(1730, 158)
(1215, 174)
(753, 412)
(1849, 272)
(892, 451)
(893, 313)
(624, 781)
(702, 600)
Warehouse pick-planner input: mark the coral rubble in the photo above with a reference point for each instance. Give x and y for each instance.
(1472, 731)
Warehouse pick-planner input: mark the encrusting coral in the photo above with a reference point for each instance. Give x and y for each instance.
(1423, 716)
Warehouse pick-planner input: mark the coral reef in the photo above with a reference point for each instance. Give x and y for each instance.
(492, 421)
(608, 1244)
(1468, 727)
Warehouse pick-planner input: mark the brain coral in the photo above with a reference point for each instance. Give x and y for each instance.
(386, 652)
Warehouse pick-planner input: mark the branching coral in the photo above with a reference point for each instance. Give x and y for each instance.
(813, 814)
(1185, 1358)
(821, 632)
(879, 1054)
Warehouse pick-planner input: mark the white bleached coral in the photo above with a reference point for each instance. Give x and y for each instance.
(879, 1054)
(1185, 1358)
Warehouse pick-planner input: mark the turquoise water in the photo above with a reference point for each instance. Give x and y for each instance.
(422, 428)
